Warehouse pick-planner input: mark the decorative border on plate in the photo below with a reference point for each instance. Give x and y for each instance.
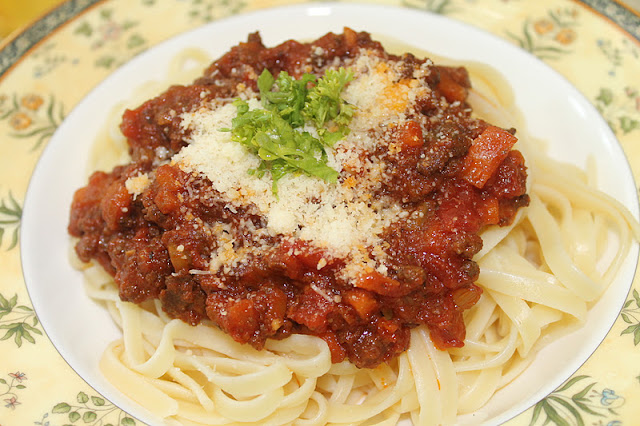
(618, 14)
(16, 47)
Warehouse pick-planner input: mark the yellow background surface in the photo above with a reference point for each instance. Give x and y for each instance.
(16, 14)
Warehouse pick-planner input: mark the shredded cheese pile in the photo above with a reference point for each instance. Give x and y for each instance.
(341, 218)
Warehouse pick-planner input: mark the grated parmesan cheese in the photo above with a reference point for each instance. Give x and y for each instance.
(344, 219)
(137, 184)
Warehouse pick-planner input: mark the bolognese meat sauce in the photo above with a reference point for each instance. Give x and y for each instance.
(414, 156)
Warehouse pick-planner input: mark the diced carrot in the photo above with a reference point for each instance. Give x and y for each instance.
(362, 301)
(410, 135)
(115, 204)
(490, 212)
(451, 89)
(378, 283)
(168, 187)
(485, 155)
(179, 258)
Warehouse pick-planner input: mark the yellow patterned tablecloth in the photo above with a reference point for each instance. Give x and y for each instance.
(49, 67)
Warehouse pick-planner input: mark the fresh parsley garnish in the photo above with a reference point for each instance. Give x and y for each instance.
(275, 134)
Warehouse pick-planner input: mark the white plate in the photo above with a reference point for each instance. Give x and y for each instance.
(554, 110)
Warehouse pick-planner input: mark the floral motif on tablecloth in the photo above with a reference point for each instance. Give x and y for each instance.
(574, 401)
(617, 52)
(551, 36)
(92, 410)
(442, 7)
(620, 108)
(9, 388)
(49, 57)
(10, 216)
(17, 321)
(210, 10)
(631, 315)
(119, 34)
(31, 117)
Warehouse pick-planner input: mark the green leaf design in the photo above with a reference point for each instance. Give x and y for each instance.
(561, 409)
(135, 41)
(74, 416)
(61, 408)
(93, 410)
(570, 408)
(441, 7)
(570, 383)
(636, 336)
(584, 407)
(97, 401)
(605, 96)
(83, 398)
(31, 329)
(536, 412)
(16, 319)
(27, 336)
(89, 417)
(630, 314)
(84, 29)
(105, 61)
(553, 415)
(580, 395)
(14, 330)
(628, 124)
(106, 14)
(620, 111)
(10, 217)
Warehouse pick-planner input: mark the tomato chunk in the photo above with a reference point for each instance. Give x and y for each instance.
(485, 155)
(410, 135)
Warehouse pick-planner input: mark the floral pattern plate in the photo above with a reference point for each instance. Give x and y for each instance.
(47, 69)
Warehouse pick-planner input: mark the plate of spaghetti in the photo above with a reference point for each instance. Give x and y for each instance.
(330, 214)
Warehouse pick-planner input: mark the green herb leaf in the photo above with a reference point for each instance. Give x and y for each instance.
(324, 103)
(274, 133)
(289, 99)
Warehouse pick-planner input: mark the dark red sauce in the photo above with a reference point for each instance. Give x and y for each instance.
(152, 243)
